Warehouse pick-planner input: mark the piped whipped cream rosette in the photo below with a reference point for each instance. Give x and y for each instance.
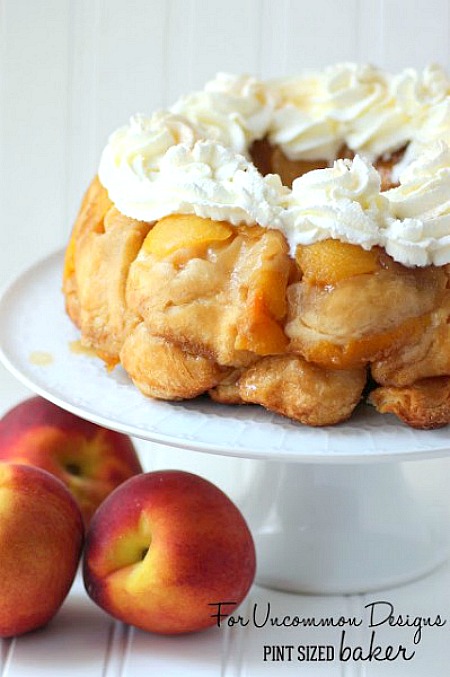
(435, 126)
(132, 155)
(418, 94)
(412, 222)
(352, 105)
(418, 234)
(343, 203)
(232, 110)
(300, 124)
(370, 111)
(157, 166)
(383, 112)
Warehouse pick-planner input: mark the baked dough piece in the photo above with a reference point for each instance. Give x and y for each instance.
(221, 294)
(164, 370)
(424, 405)
(385, 167)
(227, 391)
(345, 322)
(90, 217)
(289, 385)
(426, 357)
(105, 244)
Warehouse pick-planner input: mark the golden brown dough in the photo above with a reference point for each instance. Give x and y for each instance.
(90, 217)
(426, 357)
(350, 323)
(165, 371)
(307, 393)
(227, 391)
(424, 405)
(385, 164)
(225, 300)
(102, 264)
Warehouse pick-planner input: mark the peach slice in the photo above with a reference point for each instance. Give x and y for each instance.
(329, 261)
(184, 230)
(259, 332)
(272, 285)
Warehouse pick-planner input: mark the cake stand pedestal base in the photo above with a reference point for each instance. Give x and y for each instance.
(338, 529)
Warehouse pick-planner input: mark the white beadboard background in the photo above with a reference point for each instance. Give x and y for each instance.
(71, 71)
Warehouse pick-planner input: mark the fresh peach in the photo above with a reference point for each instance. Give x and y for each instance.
(164, 549)
(41, 535)
(89, 459)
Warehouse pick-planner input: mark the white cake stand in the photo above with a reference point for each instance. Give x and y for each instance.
(333, 510)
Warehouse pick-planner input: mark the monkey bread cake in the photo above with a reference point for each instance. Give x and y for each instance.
(283, 243)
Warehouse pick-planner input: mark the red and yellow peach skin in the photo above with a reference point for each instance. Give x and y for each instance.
(163, 548)
(41, 535)
(89, 459)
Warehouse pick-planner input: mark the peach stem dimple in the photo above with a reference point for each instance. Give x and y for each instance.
(73, 469)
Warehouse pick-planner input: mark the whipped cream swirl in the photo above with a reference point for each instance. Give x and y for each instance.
(300, 124)
(342, 202)
(418, 234)
(346, 104)
(363, 99)
(418, 93)
(147, 181)
(232, 110)
(425, 98)
(360, 106)
(134, 151)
